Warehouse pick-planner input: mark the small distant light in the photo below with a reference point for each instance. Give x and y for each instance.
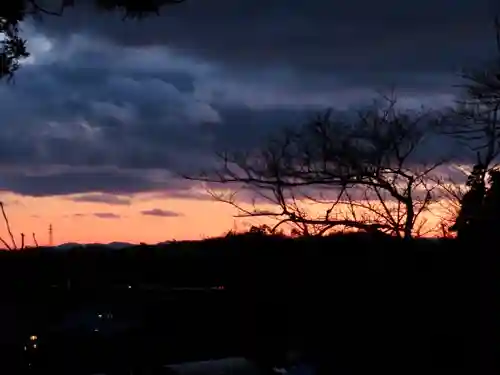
(25, 348)
(33, 338)
(100, 316)
(34, 346)
(96, 329)
(130, 286)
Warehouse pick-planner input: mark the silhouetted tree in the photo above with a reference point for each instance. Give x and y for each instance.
(12, 13)
(475, 122)
(477, 224)
(480, 212)
(491, 205)
(468, 218)
(368, 174)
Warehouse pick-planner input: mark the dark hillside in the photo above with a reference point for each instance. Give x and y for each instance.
(342, 298)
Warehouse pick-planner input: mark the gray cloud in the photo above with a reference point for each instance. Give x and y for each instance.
(106, 215)
(161, 213)
(102, 198)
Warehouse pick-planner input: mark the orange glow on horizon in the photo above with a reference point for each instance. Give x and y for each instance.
(76, 221)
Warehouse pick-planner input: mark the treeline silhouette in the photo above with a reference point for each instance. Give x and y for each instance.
(352, 302)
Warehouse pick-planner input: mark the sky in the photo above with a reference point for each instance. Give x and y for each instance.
(106, 113)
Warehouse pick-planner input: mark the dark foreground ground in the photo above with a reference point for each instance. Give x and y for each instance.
(351, 304)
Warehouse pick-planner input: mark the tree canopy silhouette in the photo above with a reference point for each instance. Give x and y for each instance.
(480, 211)
(12, 13)
(467, 221)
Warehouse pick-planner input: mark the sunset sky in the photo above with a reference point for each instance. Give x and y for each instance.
(106, 113)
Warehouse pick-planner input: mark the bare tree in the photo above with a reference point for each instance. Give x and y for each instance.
(370, 173)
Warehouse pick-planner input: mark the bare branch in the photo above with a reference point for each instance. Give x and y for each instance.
(8, 225)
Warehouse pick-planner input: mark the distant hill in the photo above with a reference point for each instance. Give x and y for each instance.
(111, 245)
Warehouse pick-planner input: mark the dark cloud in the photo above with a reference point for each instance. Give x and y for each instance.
(106, 215)
(102, 198)
(108, 120)
(161, 213)
(360, 42)
(78, 182)
(63, 180)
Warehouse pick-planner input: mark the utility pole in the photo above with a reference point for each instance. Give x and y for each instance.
(51, 236)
